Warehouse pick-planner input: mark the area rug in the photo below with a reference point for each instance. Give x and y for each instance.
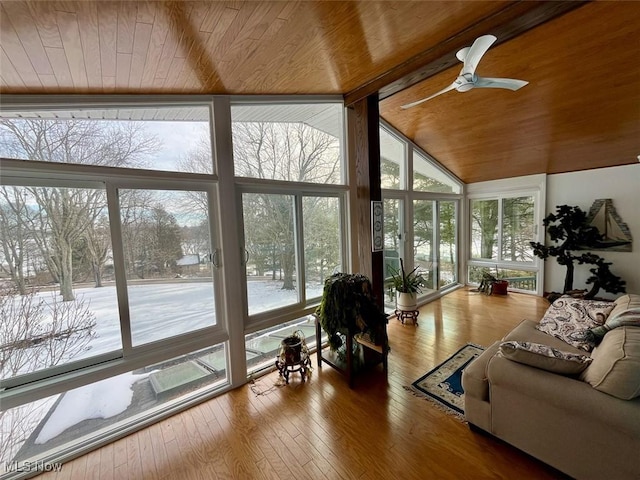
(443, 384)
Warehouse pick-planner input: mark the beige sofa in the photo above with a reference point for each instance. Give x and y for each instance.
(566, 421)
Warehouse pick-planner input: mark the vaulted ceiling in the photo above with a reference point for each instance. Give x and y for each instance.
(580, 110)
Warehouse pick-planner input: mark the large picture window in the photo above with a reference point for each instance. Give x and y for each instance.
(420, 215)
(501, 227)
(107, 269)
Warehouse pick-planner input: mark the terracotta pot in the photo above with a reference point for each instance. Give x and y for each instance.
(500, 287)
(406, 302)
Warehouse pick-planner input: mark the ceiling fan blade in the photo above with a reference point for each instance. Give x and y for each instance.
(444, 90)
(475, 53)
(508, 83)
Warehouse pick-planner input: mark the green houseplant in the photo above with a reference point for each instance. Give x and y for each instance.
(348, 307)
(408, 285)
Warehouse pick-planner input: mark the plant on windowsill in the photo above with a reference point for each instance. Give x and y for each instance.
(491, 284)
(408, 285)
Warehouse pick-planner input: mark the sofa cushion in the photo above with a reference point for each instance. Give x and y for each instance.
(625, 312)
(544, 357)
(570, 319)
(625, 302)
(526, 331)
(615, 368)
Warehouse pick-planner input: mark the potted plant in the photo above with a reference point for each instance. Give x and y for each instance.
(293, 356)
(491, 284)
(407, 286)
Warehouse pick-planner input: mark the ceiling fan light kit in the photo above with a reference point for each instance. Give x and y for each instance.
(467, 79)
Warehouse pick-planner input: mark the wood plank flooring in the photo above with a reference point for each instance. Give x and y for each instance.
(323, 430)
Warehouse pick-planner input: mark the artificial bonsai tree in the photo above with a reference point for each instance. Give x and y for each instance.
(569, 227)
(601, 277)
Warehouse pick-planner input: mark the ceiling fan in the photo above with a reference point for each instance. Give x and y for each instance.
(467, 79)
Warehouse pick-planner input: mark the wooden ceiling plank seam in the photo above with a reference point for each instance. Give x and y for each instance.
(108, 84)
(48, 81)
(70, 34)
(257, 21)
(123, 70)
(171, 42)
(90, 39)
(108, 39)
(210, 20)
(198, 14)
(126, 27)
(141, 40)
(27, 32)
(8, 70)
(67, 6)
(282, 56)
(289, 9)
(184, 34)
(197, 69)
(244, 70)
(15, 51)
(512, 20)
(174, 73)
(232, 32)
(146, 12)
(159, 34)
(45, 19)
(58, 59)
(217, 37)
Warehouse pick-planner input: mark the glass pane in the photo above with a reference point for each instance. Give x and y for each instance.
(322, 242)
(423, 211)
(297, 143)
(166, 244)
(55, 250)
(157, 138)
(262, 346)
(517, 229)
(484, 229)
(428, 178)
(36, 430)
(270, 244)
(448, 254)
(518, 279)
(392, 161)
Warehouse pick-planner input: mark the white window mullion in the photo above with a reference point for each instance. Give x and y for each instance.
(113, 204)
(499, 227)
(298, 235)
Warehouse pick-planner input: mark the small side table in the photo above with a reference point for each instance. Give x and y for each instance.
(286, 368)
(402, 315)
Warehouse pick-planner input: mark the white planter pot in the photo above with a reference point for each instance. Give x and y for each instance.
(406, 302)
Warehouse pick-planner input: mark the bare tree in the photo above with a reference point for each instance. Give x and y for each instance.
(13, 236)
(36, 334)
(64, 215)
(280, 151)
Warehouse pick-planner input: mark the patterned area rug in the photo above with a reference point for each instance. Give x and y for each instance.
(443, 384)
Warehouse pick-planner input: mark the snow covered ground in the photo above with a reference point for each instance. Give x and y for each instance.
(158, 311)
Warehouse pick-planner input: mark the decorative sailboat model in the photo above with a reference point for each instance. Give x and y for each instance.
(615, 233)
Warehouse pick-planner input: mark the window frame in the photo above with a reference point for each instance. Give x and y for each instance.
(530, 186)
(408, 195)
(42, 383)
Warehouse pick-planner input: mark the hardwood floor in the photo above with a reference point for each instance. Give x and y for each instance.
(322, 429)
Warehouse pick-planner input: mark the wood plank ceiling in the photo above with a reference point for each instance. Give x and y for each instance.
(581, 109)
